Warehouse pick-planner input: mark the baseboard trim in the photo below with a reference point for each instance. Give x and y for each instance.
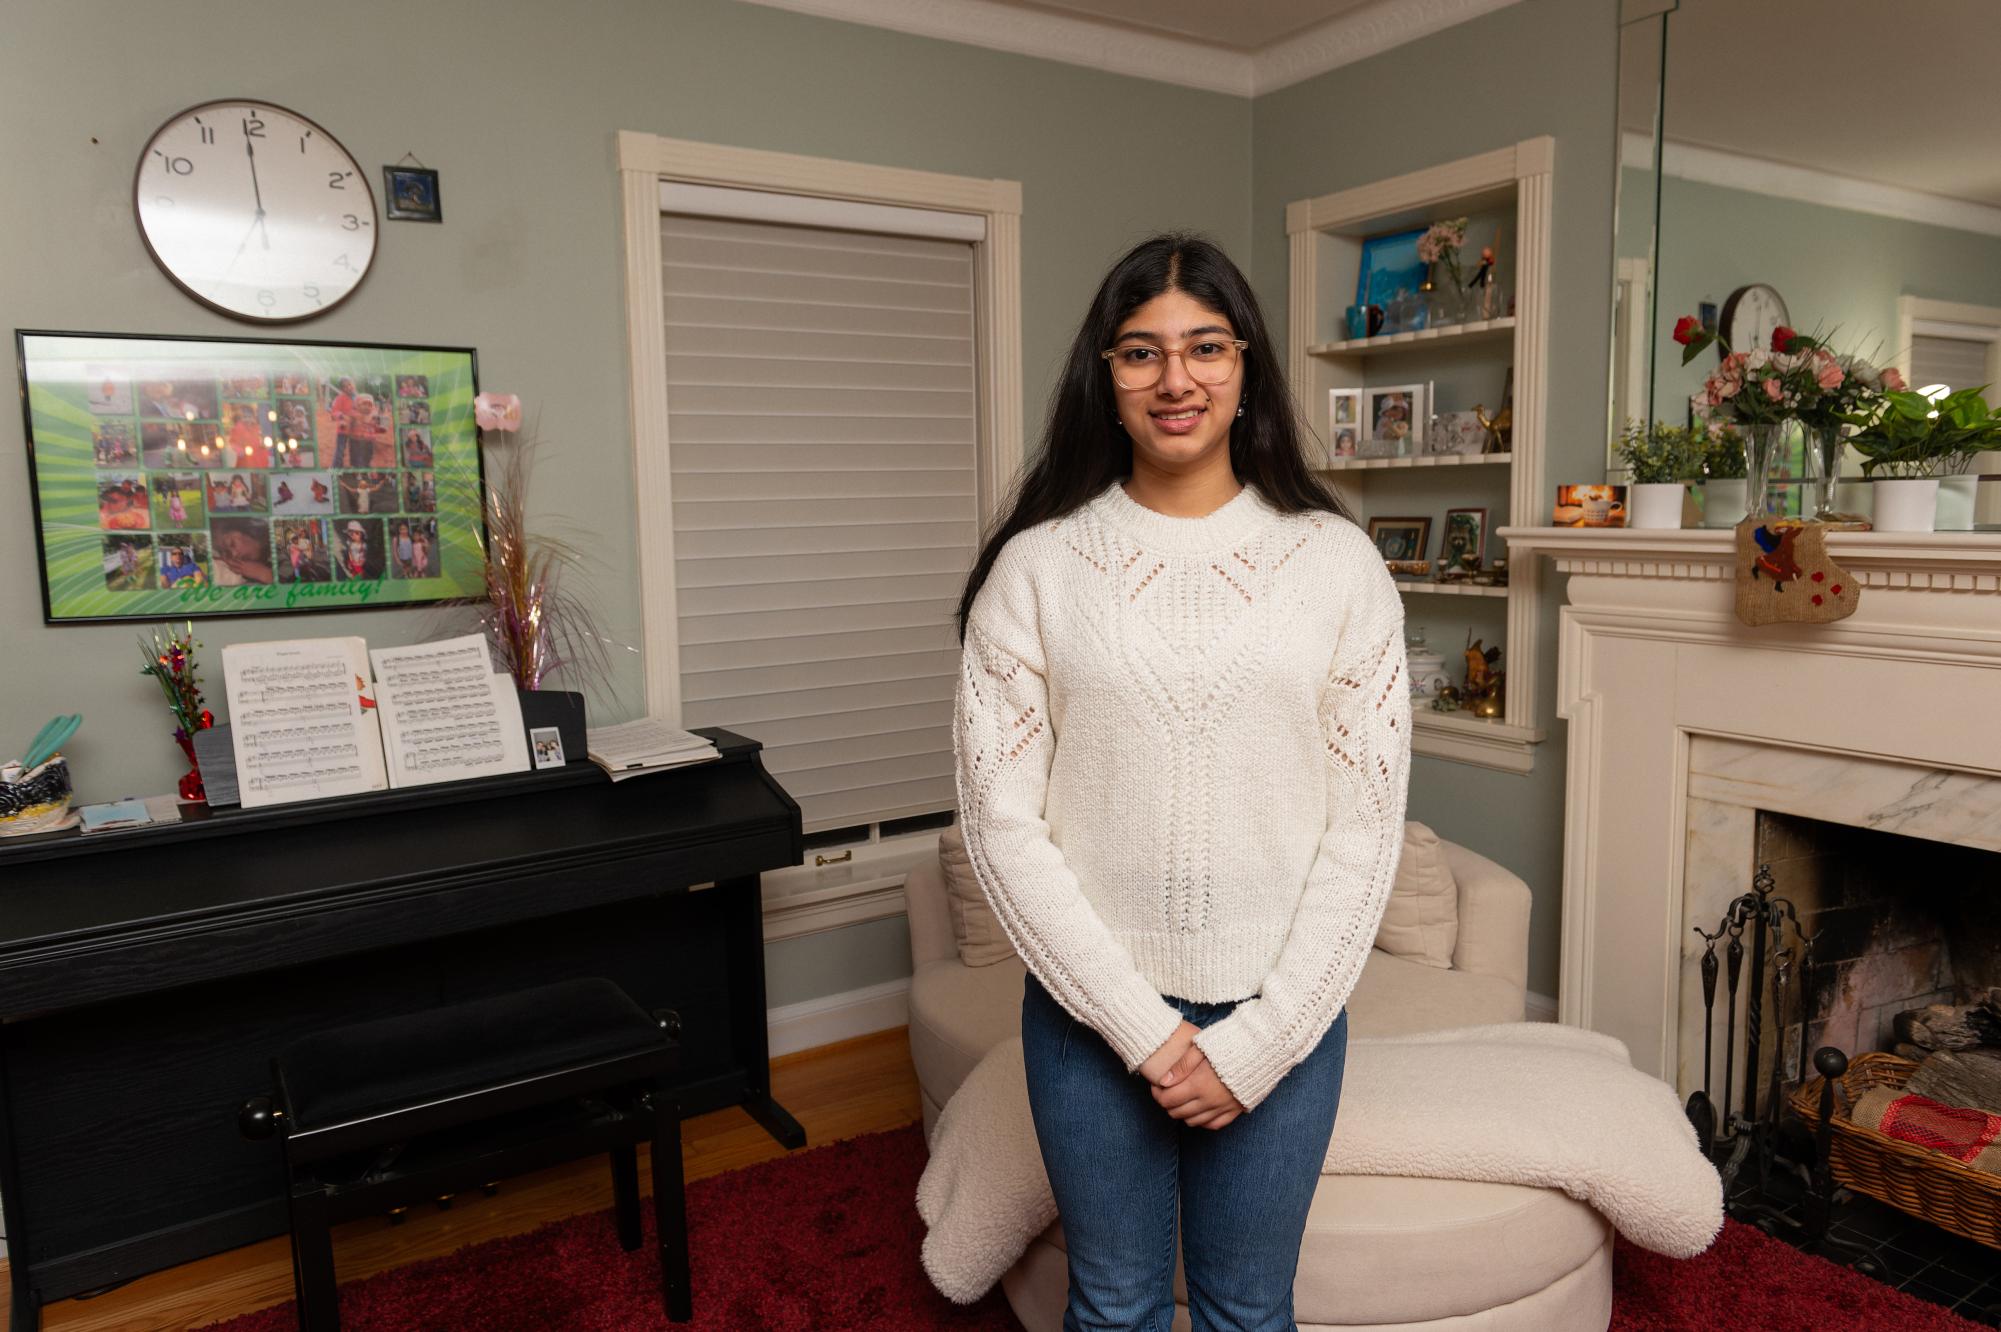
(838, 1017)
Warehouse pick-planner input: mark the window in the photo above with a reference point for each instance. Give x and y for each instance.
(822, 405)
(1956, 363)
(817, 528)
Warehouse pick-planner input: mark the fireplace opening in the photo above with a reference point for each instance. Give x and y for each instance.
(1898, 923)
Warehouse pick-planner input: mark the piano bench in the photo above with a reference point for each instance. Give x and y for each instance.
(397, 1110)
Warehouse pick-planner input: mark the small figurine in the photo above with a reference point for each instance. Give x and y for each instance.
(1483, 695)
(1500, 427)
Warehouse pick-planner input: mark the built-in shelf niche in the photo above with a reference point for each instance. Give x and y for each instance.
(1326, 235)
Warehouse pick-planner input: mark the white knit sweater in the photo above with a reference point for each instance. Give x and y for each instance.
(1183, 753)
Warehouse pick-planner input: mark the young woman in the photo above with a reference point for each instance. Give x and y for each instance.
(1183, 739)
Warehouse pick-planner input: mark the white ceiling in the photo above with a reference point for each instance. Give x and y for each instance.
(1240, 25)
(1903, 94)
(1242, 47)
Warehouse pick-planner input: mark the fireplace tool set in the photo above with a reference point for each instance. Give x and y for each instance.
(1753, 1133)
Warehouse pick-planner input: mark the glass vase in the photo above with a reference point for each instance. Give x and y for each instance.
(1824, 446)
(1488, 300)
(1764, 450)
(1444, 298)
(192, 791)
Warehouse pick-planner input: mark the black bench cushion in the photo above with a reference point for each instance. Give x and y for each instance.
(371, 1067)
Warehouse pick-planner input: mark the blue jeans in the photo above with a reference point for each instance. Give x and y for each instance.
(1115, 1159)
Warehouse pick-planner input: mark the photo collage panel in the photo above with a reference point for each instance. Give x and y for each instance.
(250, 477)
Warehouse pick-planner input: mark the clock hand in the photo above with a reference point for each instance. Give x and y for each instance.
(251, 151)
(255, 223)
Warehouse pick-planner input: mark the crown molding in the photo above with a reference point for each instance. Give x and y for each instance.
(1185, 61)
(1782, 180)
(1357, 35)
(1034, 32)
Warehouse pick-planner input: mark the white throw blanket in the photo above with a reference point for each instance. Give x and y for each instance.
(1516, 1103)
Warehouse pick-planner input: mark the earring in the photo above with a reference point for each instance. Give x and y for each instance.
(1240, 409)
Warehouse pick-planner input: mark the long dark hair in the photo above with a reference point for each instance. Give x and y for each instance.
(1085, 449)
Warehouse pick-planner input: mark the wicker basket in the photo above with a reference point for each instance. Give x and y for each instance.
(1928, 1184)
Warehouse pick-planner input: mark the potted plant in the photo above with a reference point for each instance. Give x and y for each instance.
(1957, 481)
(1722, 486)
(1660, 460)
(1909, 438)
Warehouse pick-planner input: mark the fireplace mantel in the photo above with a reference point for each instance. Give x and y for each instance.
(1651, 657)
(1921, 561)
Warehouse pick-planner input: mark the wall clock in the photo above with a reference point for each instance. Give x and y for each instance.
(255, 211)
(1749, 316)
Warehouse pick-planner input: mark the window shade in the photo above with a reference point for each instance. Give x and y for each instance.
(822, 428)
(1955, 362)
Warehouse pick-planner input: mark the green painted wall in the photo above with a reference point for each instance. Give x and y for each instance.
(1539, 67)
(517, 104)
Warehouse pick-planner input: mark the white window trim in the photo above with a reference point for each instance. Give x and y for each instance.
(644, 161)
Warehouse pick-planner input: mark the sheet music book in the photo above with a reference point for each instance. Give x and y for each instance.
(446, 713)
(302, 720)
(649, 744)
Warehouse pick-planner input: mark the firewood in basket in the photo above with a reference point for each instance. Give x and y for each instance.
(1945, 1026)
(1970, 1078)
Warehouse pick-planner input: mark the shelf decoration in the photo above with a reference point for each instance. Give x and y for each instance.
(170, 659)
(536, 622)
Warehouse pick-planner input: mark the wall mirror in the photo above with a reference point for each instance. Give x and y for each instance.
(1835, 164)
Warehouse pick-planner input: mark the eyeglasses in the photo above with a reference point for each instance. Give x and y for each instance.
(1138, 365)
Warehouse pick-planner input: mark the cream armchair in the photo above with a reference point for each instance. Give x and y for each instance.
(1380, 1252)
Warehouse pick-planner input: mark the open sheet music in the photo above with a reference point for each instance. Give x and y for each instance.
(298, 722)
(446, 713)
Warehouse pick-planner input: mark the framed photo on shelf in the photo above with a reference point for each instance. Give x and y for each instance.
(1465, 534)
(1456, 432)
(1389, 265)
(1396, 414)
(1400, 538)
(1344, 422)
(180, 476)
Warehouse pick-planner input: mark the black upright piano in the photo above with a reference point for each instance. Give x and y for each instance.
(148, 975)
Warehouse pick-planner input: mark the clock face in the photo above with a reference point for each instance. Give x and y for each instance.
(255, 211)
(1750, 315)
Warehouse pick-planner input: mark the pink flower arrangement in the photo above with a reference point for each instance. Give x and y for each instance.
(1441, 242)
(1796, 376)
(497, 411)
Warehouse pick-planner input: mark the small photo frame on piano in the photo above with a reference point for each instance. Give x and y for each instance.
(545, 743)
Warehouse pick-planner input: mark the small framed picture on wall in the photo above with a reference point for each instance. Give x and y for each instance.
(1344, 422)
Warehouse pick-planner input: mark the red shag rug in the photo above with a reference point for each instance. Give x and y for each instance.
(827, 1240)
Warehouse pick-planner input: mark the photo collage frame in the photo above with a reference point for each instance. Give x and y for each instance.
(186, 477)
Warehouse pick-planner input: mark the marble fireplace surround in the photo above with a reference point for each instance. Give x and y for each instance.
(1677, 712)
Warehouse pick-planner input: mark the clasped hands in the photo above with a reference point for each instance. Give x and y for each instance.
(1184, 1085)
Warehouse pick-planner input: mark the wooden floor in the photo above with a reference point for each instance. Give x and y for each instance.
(837, 1091)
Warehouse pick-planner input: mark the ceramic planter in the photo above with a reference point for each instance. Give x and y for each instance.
(1905, 504)
(1955, 502)
(1723, 502)
(1655, 504)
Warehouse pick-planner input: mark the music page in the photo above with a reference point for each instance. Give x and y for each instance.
(297, 721)
(446, 713)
